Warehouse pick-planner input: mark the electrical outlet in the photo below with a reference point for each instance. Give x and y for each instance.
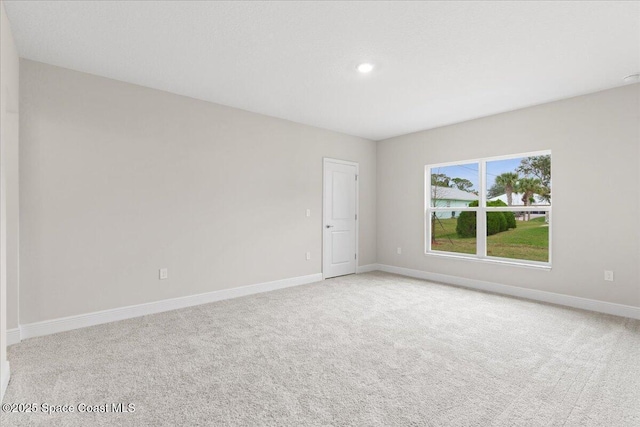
(164, 273)
(308, 213)
(399, 251)
(608, 275)
(308, 256)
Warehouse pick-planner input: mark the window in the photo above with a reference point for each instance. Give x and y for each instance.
(494, 209)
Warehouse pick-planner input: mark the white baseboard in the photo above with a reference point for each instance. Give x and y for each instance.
(366, 268)
(533, 294)
(53, 326)
(13, 336)
(5, 374)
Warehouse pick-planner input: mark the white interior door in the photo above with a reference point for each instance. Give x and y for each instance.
(339, 218)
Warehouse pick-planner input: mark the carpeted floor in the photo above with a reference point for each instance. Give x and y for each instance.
(365, 350)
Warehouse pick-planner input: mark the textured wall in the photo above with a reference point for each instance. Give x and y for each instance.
(9, 225)
(120, 180)
(595, 141)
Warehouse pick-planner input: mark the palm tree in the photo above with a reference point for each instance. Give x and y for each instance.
(508, 180)
(528, 187)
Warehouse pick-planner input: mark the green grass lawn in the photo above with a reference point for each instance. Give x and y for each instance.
(528, 241)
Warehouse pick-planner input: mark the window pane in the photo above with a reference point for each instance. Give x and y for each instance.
(453, 231)
(518, 235)
(519, 181)
(454, 186)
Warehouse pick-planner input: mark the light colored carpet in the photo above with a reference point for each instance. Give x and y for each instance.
(371, 349)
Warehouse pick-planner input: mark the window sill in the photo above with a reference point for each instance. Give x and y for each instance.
(500, 261)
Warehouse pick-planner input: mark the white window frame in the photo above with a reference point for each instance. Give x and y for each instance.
(481, 213)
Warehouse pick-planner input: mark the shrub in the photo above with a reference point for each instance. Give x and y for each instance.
(511, 219)
(496, 221)
(466, 225)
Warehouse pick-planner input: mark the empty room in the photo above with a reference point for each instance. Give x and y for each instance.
(320, 213)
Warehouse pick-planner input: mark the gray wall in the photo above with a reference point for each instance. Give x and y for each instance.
(595, 161)
(119, 180)
(9, 107)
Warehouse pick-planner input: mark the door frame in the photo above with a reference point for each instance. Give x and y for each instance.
(326, 160)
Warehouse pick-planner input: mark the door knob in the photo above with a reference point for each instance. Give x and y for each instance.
(329, 226)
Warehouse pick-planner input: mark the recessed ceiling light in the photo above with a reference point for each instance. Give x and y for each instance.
(632, 78)
(365, 67)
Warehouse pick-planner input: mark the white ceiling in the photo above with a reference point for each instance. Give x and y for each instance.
(437, 63)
